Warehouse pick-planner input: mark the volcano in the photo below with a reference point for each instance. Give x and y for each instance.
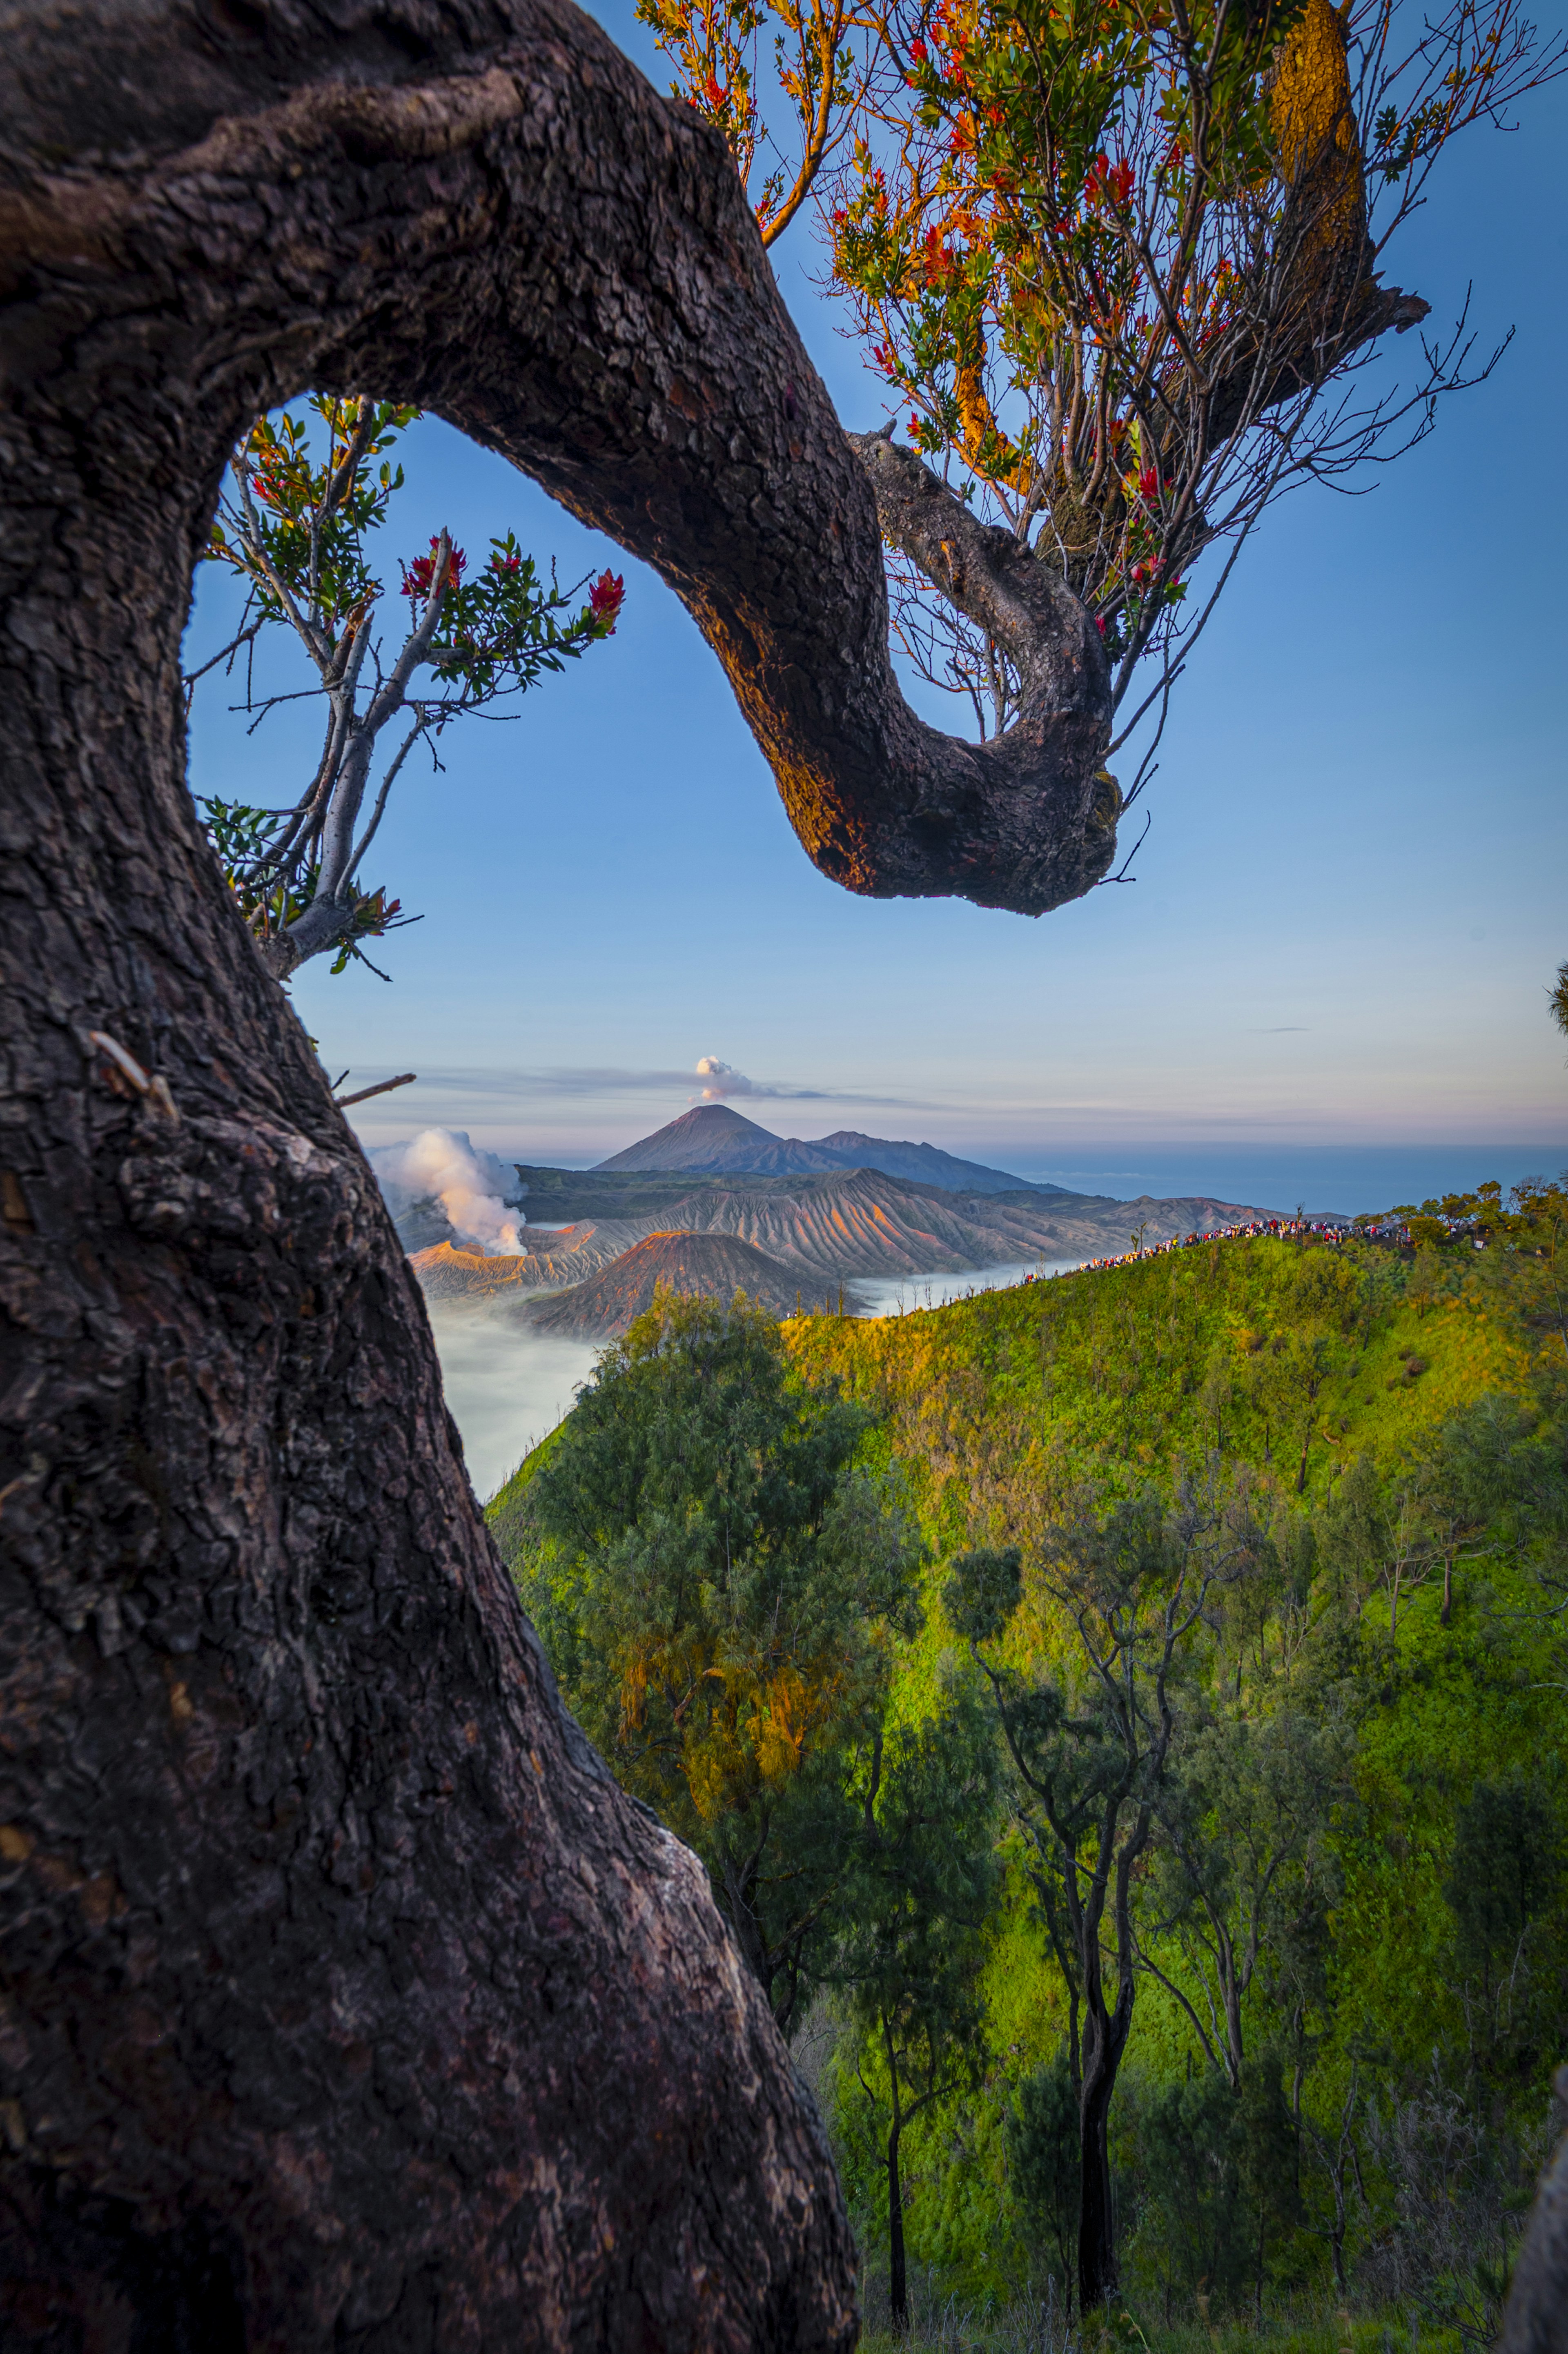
(714, 1140)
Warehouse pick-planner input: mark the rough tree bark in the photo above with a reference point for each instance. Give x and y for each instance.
(1032, 615)
(346, 2001)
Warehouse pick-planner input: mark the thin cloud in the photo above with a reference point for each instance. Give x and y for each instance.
(584, 1083)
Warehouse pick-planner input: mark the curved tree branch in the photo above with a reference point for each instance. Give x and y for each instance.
(1062, 727)
(500, 220)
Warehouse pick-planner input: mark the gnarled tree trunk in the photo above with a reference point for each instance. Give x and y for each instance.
(346, 2002)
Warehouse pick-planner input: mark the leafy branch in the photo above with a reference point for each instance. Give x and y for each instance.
(304, 493)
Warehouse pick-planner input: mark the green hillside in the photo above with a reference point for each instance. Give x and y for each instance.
(507, 1507)
(1289, 1367)
(1388, 1425)
(1120, 1372)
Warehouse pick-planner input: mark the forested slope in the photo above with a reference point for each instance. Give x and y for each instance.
(1345, 1925)
(1390, 1417)
(1256, 1350)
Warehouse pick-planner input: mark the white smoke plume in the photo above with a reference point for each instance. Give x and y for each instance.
(721, 1079)
(443, 1164)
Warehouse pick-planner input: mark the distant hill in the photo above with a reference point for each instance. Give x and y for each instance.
(713, 1140)
(422, 1224)
(924, 1164)
(711, 1266)
(445, 1270)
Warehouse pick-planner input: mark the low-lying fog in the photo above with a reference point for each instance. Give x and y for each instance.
(508, 1387)
(898, 1295)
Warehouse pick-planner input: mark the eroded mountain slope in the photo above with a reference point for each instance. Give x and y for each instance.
(827, 1230)
(716, 1265)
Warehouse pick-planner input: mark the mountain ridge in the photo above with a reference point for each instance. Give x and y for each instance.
(712, 1139)
(827, 1230)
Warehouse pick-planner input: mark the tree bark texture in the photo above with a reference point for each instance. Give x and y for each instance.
(343, 2000)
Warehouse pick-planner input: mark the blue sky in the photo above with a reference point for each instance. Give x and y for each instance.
(1346, 914)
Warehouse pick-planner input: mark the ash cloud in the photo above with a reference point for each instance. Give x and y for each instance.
(442, 1164)
(721, 1080)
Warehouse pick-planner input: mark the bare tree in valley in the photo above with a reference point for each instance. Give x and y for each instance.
(1093, 1746)
(1243, 1860)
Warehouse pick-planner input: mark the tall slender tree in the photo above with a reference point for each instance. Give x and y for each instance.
(1090, 1738)
(1244, 1854)
(910, 1957)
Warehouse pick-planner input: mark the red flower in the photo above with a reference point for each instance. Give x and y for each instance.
(917, 50)
(420, 577)
(606, 598)
(1148, 484)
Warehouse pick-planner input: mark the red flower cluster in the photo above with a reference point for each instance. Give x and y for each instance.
(419, 576)
(1148, 484)
(605, 598)
(940, 258)
(1105, 178)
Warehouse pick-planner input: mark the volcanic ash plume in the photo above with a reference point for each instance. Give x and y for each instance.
(442, 1165)
(721, 1079)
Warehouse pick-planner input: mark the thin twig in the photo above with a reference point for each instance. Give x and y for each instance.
(384, 1088)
